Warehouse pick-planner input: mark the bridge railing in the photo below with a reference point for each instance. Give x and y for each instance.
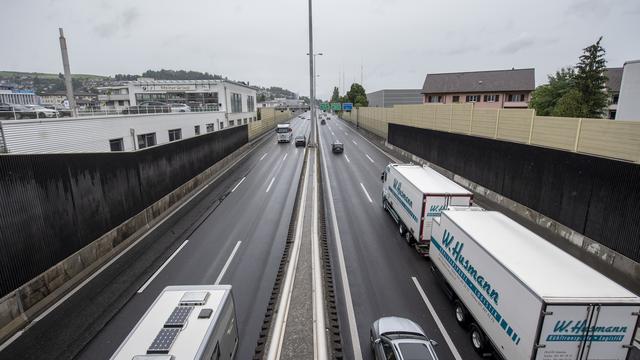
(615, 139)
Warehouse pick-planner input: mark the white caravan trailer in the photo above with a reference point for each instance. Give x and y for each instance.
(185, 322)
(524, 298)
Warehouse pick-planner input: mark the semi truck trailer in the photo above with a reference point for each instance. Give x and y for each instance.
(414, 195)
(185, 322)
(521, 297)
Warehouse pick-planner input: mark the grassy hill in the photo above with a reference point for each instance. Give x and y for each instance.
(12, 74)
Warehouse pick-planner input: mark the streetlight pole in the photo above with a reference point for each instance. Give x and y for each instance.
(312, 96)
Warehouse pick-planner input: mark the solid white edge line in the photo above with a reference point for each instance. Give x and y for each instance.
(346, 157)
(275, 345)
(226, 265)
(444, 332)
(118, 256)
(144, 286)
(319, 330)
(366, 193)
(238, 184)
(265, 154)
(270, 183)
(368, 157)
(354, 142)
(351, 317)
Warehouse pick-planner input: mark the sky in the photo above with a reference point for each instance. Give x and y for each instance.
(386, 44)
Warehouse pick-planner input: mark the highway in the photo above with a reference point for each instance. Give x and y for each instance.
(385, 275)
(232, 233)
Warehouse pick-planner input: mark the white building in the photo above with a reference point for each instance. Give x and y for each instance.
(628, 104)
(12, 96)
(237, 101)
(106, 133)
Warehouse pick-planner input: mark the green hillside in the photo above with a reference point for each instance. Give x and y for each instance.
(12, 74)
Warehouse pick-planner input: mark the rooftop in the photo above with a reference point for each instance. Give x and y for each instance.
(615, 78)
(480, 81)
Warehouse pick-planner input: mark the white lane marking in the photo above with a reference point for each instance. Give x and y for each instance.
(162, 267)
(270, 183)
(393, 158)
(353, 141)
(346, 133)
(368, 157)
(285, 156)
(346, 289)
(444, 332)
(346, 157)
(238, 184)
(226, 265)
(265, 154)
(366, 193)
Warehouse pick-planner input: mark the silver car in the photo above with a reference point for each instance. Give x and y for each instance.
(400, 339)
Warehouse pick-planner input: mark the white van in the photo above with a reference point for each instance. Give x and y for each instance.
(185, 322)
(284, 132)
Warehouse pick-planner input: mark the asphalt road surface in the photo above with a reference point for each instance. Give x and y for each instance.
(232, 233)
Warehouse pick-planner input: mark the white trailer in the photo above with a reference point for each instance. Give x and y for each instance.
(524, 298)
(414, 195)
(284, 132)
(185, 322)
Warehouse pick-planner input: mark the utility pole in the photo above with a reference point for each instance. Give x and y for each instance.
(312, 137)
(67, 74)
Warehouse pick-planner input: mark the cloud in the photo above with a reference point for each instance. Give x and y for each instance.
(589, 8)
(515, 46)
(121, 23)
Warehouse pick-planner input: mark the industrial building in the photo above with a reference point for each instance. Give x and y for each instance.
(391, 97)
(628, 104)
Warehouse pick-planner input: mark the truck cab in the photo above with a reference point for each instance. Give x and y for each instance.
(284, 133)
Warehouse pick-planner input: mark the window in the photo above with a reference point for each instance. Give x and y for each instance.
(251, 104)
(231, 123)
(434, 98)
(175, 134)
(456, 98)
(196, 129)
(473, 98)
(491, 98)
(244, 121)
(146, 140)
(210, 127)
(236, 103)
(614, 98)
(221, 125)
(116, 144)
(515, 97)
(388, 350)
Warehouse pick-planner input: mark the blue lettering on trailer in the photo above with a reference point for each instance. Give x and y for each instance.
(406, 207)
(469, 270)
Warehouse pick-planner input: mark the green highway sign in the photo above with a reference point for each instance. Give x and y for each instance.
(324, 106)
(336, 106)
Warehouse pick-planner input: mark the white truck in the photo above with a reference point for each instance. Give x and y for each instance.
(524, 298)
(185, 322)
(284, 132)
(414, 195)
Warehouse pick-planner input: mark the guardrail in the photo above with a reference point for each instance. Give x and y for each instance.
(614, 139)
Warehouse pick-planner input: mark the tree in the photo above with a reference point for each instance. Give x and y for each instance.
(571, 104)
(545, 97)
(591, 80)
(336, 95)
(262, 98)
(357, 95)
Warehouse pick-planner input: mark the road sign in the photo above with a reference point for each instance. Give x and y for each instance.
(347, 106)
(336, 106)
(324, 106)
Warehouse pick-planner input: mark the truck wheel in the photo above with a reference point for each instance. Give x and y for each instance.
(462, 316)
(402, 230)
(409, 238)
(478, 339)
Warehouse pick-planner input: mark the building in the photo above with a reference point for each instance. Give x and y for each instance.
(10, 95)
(83, 100)
(614, 76)
(628, 106)
(236, 100)
(486, 89)
(391, 97)
(105, 133)
(286, 104)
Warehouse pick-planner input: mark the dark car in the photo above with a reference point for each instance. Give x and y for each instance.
(300, 141)
(337, 147)
(322, 122)
(150, 107)
(397, 338)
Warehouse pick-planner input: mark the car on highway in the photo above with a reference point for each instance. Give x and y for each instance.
(180, 108)
(300, 141)
(322, 122)
(337, 147)
(399, 338)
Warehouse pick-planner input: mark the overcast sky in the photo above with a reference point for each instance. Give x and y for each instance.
(395, 42)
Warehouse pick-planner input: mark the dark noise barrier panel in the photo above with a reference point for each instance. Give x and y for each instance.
(597, 197)
(52, 205)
